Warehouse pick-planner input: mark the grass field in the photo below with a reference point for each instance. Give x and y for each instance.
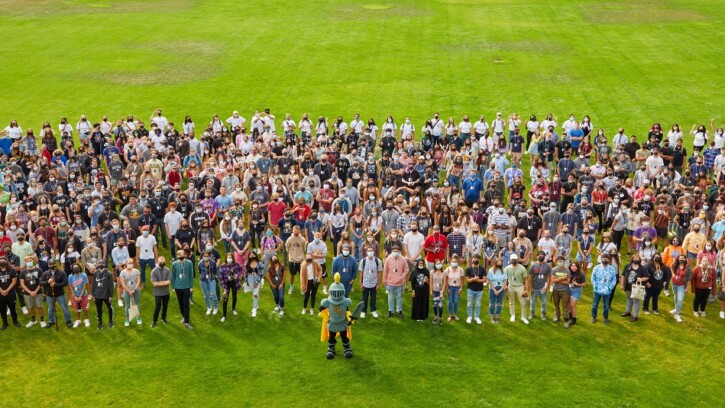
(625, 63)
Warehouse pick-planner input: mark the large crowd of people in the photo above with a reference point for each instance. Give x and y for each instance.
(424, 214)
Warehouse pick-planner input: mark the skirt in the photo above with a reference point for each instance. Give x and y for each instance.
(533, 148)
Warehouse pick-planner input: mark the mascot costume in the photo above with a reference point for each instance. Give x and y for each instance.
(337, 318)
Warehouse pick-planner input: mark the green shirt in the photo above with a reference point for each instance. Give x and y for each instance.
(516, 274)
(182, 275)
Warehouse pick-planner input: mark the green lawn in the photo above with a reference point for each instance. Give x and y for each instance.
(625, 63)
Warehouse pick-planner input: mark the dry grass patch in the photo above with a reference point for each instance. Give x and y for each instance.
(54, 8)
(638, 13)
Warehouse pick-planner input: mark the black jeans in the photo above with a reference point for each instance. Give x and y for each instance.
(617, 238)
(162, 304)
(233, 290)
(654, 295)
(372, 294)
(700, 301)
(5, 303)
(183, 296)
(311, 292)
(99, 309)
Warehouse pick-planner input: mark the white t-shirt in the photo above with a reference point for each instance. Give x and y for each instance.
(415, 241)
(514, 123)
(160, 121)
(532, 126)
(699, 139)
(173, 221)
(238, 121)
(407, 129)
(546, 123)
(158, 141)
(84, 127)
(498, 125)
(14, 132)
(188, 127)
(305, 126)
(481, 127)
(388, 126)
(64, 128)
(465, 127)
(105, 127)
(145, 246)
(437, 127)
(356, 126)
(288, 123)
(568, 125)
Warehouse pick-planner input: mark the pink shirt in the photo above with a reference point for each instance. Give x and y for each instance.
(395, 271)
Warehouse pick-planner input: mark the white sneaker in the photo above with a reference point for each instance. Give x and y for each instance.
(87, 323)
(276, 309)
(304, 312)
(362, 315)
(469, 319)
(208, 312)
(513, 318)
(375, 314)
(703, 314)
(254, 312)
(30, 324)
(697, 314)
(43, 324)
(223, 319)
(312, 312)
(478, 321)
(722, 315)
(182, 320)
(24, 309)
(673, 311)
(214, 311)
(281, 313)
(324, 289)
(289, 292)
(234, 312)
(678, 319)
(120, 303)
(76, 324)
(523, 319)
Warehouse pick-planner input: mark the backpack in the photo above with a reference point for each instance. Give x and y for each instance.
(377, 263)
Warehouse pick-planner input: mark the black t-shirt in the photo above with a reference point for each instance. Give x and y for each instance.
(6, 278)
(531, 226)
(240, 239)
(185, 236)
(31, 278)
(630, 275)
(475, 272)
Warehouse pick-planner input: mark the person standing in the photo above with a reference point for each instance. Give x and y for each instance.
(230, 278)
(30, 284)
(78, 283)
(453, 284)
(475, 279)
(436, 247)
(347, 267)
(369, 270)
(437, 279)
(54, 281)
(130, 280)
(146, 252)
(395, 274)
(604, 280)
(703, 285)
(161, 279)
(310, 276)
(295, 247)
(659, 274)
(8, 281)
(517, 276)
(420, 285)
(102, 292)
(498, 284)
(681, 275)
(539, 276)
(276, 277)
(182, 281)
(577, 281)
(560, 290)
(633, 273)
(207, 280)
(254, 274)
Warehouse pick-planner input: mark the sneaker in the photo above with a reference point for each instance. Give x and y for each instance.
(188, 326)
(43, 324)
(469, 319)
(703, 314)
(254, 312)
(100, 326)
(304, 312)
(512, 319)
(532, 316)
(312, 312)
(626, 314)
(523, 319)
(556, 320)
(722, 315)
(543, 318)
(120, 303)
(375, 314)
(223, 319)
(593, 320)
(390, 314)
(697, 314)
(24, 309)
(234, 312)
(138, 321)
(656, 312)
(17, 324)
(76, 324)
(289, 292)
(324, 289)
(215, 311)
(182, 320)
(30, 324)
(606, 321)
(49, 325)
(633, 319)
(493, 319)
(667, 293)
(87, 323)
(646, 312)
(126, 323)
(276, 309)
(478, 320)
(673, 311)
(678, 319)
(567, 324)
(281, 313)
(153, 324)
(164, 321)
(362, 315)
(110, 325)
(191, 302)
(208, 311)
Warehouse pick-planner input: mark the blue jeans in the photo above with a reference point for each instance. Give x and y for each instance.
(357, 254)
(278, 294)
(495, 302)
(454, 297)
(540, 294)
(395, 297)
(208, 288)
(63, 306)
(473, 303)
(438, 303)
(679, 294)
(142, 263)
(127, 301)
(595, 305)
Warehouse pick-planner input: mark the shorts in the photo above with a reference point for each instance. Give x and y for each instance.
(324, 270)
(629, 232)
(81, 303)
(575, 293)
(294, 268)
(691, 255)
(34, 301)
(579, 258)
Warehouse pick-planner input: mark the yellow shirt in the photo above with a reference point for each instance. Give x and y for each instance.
(694, 242)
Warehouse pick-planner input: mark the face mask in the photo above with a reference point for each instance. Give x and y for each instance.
(29, 264)
(396, 254)
(394, 236)
(439, 266)
(145, 233)
(345, 252)
(454, 264)
(708, 247)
